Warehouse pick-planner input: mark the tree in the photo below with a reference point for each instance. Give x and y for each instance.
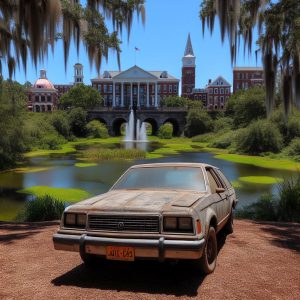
(97, 129)
(77, 120)
(82, 96)
(32, 28)
(12, 139)
(173, 101)
(246, 106)
(165, 131)
(279, 29)
(198, 122)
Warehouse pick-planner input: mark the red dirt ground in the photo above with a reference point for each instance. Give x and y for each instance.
(258, 261)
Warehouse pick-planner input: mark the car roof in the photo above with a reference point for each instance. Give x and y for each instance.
(172, 164)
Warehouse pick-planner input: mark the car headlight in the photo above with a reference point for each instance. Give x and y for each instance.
(75, 220)
(178, 224)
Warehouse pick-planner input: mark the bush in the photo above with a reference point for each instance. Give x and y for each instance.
(198, 122)
(224, 140)
(285, 206)
(172, 101)
(224, 123)
(77, 120)
(165, 131)
(293, 148)
(260, 136)
(59, 121)
(97, 129)
(204, 138)
(51, 141)
(45, 208)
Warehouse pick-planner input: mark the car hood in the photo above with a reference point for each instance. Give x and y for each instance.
(139, 200)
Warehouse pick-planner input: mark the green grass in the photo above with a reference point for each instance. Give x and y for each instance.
(263, 162)
(63, 194)
(112, 154)
(236, 184)
(85, 165)
(260, 179)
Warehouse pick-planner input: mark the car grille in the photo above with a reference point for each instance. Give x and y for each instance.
(124, 223)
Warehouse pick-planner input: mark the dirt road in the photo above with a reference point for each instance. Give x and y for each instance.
(258, 261)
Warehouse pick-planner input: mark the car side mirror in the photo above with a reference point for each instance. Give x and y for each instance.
(220, 190)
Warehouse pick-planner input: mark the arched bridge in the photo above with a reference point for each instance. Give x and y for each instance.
(114, 118)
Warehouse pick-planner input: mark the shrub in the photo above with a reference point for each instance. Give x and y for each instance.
(60, 122)
(285, 206)
(224, 123)
(45, 208)
(198, 122)
(293, 148)
(165, 131)
(96, 129)
(204, 138)
(51, 141)
(77, 121)
(224, 140)
(260, 136)
(293, 129)
(173, 101)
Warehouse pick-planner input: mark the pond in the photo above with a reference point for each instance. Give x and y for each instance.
(60, 171)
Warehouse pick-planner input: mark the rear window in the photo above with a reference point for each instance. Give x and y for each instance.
(225, 180)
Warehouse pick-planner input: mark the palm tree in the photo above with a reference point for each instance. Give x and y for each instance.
(30, 28)
(279, 42)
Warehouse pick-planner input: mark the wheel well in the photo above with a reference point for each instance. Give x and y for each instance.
(213, 222)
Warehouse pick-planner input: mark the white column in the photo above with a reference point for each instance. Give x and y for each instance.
(156, 104)
(131, 98)
(147, 94)
(138, 95)
(122, 94)
(114, 95)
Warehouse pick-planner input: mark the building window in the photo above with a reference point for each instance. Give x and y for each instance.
(110, 88)
(227, 91)
(37, 99)
(105, 88)
(170, 88)
(43, 98)
(99, 88)
(222, 99)
(204, 97)
(210, 91)
(216, 98)
(175, 88)
(165, 88)
(239, 75)
(159, 88)
(216, 90)
(48, 98)
(246, 85)
(211, 99)
(221, 91)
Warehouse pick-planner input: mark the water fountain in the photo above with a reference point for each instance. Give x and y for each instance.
(135, 131)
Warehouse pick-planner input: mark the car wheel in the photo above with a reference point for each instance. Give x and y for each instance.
(229, 224)
(208, 260)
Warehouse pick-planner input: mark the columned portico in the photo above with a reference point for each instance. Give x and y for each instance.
(135, 87)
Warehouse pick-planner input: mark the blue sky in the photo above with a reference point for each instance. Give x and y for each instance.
(162, 42)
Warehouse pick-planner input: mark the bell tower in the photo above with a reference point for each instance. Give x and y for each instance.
(78, 73)
(188, 70)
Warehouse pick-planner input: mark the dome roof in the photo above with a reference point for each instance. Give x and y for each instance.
(43, 83)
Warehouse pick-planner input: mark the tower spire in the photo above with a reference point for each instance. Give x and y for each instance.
(188, 47)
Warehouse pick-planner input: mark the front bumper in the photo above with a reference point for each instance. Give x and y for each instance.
(159, 249)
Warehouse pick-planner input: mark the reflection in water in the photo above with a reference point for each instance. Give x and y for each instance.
(98, 179)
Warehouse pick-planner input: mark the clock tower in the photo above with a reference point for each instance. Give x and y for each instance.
(188, 70)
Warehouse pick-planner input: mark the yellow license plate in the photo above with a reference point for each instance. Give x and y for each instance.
(120, 253)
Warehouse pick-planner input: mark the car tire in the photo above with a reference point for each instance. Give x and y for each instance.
(228, 228)
(208, 260)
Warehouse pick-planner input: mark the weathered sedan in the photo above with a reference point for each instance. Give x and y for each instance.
(154, 211)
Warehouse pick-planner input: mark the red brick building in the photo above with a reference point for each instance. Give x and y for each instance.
(135, 86)
(216, 93)
(247, 77)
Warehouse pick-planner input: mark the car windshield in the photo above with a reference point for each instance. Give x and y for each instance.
(172, 178)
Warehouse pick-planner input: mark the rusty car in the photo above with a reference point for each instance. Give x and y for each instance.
(160, 211)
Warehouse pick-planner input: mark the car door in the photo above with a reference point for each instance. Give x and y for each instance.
(230, 191)
(222, 203)
(219, 198)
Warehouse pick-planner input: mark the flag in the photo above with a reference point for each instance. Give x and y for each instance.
(137, 49)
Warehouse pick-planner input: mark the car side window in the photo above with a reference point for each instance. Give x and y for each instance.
(212, 182)
(225, 180)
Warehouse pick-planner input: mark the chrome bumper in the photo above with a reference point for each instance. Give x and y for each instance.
(144, 248)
